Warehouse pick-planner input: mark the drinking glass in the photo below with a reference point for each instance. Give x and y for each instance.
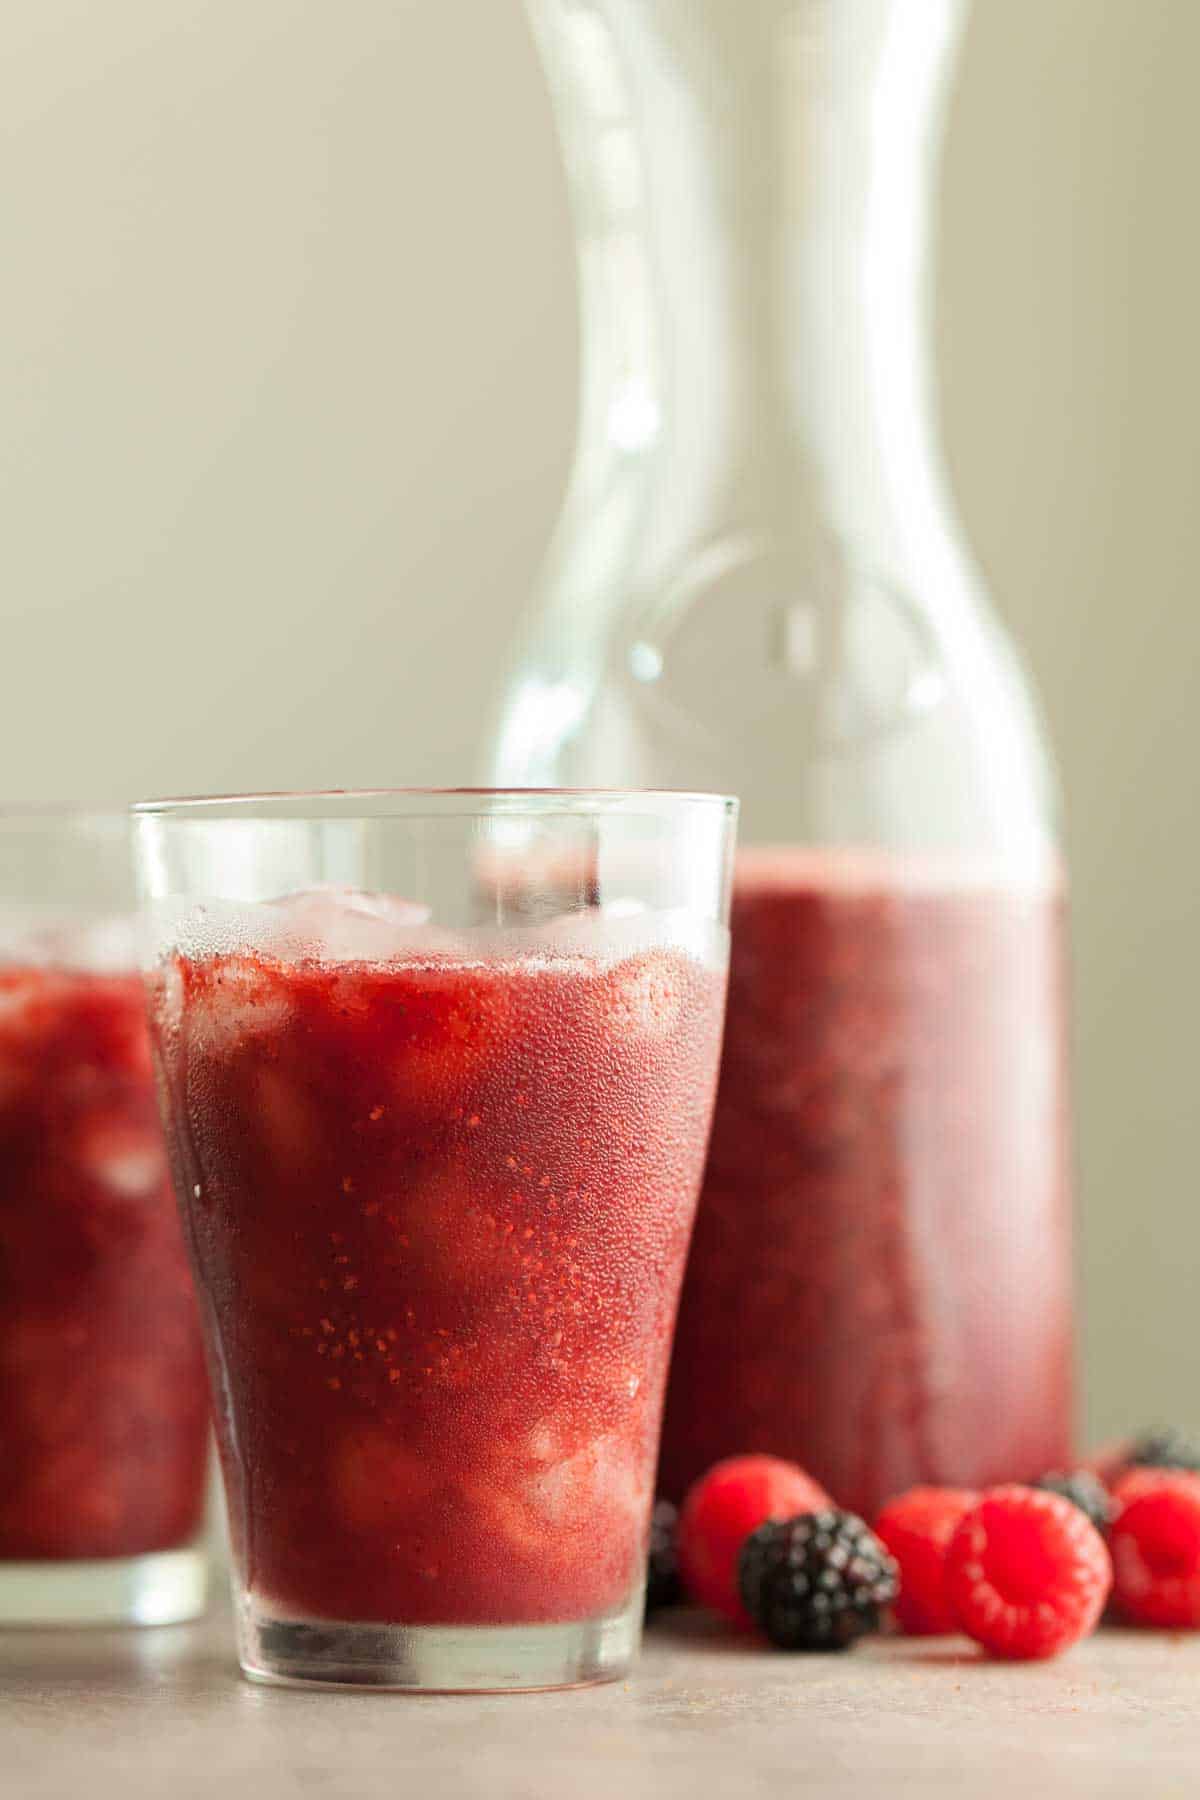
(437, 1070)
(103, 1396)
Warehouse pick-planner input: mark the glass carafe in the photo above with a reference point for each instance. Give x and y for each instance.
(758, 584)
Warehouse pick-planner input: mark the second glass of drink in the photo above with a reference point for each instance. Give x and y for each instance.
(438, 1069)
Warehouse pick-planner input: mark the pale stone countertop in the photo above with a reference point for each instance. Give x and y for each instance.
(102, 1715)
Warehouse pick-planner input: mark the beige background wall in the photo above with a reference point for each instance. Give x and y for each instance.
(286, 390)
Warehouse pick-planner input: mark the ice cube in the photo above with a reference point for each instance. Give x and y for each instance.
(165, 996)
(376, 1479)
(648, 995)
(127, 1162)
(69, 1489)
(237, 999)
(597, 933)
(342, 924)
(100, 945)
(602, 1479)
(328, 922)
(105, 946)
(625, 927)
(285, 1118)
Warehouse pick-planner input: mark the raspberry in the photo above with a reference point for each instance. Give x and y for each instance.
(722, 1509)
(816, 1582)
(1027, 1573)
(663, 1587)
(917, 1527)
(1155, 1542)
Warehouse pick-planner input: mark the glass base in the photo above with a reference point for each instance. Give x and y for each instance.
(164, 1588)
(437, 1659)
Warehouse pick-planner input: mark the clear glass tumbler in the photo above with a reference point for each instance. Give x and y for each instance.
(438, 1070)
(104, 1416)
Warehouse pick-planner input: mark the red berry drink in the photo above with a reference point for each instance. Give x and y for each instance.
(103, 1398)
(438, 1205)
(880, 1282)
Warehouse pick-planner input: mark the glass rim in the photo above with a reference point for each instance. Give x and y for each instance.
(63, 812)
(402, 802)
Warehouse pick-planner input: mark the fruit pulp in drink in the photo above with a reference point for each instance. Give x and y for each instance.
(103, 1396)
(880, 1282)
(439, 1205)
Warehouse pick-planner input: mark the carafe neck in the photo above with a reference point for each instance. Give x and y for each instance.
(751, 187)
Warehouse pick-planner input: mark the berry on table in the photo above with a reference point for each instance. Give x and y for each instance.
(817, 1582)
(916, 1527)
(1027, 1573)
(663, 1586)
(1155, 1544)
(1084, 1490)
(723, 1508)
(1166, 1448)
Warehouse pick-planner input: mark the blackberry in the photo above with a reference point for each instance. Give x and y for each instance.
(663, 1586)
(1169, 1448)
(1084, 1490)
(816, 1582)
